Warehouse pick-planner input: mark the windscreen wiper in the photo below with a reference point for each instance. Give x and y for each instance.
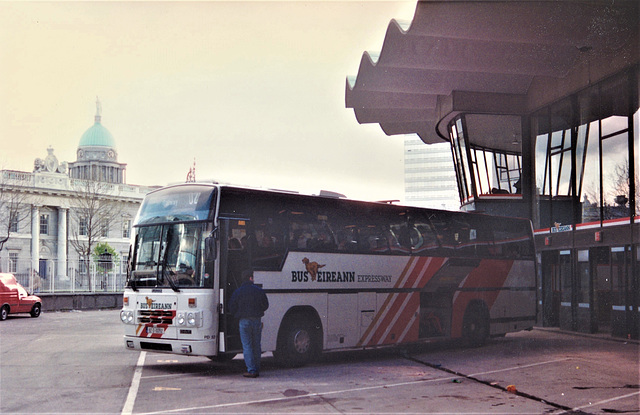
(169, 278)
(165, 273)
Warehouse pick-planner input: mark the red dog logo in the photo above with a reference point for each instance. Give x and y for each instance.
(312, 268)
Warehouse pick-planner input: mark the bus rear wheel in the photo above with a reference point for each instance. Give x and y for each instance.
(475, 325)
(298, 343)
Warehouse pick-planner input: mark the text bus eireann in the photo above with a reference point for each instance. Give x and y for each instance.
(339, 274)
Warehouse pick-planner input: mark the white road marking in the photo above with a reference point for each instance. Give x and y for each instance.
(617, 398)
(135, 384)
(173, 375)
(309, 395)
(519, 367)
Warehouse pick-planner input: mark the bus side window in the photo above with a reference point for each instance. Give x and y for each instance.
(485, 245)
(347, 239)
(514, 241)
(322, 238)
(373, 239)
(401, 238)
(464, 244)
(299, 234)
(267, 244)
(311, 231)
(428, 239)
(346, 231)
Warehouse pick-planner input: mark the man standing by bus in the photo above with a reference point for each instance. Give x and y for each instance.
(248, 304)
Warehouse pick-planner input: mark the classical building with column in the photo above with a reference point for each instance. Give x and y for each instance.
(49, 220)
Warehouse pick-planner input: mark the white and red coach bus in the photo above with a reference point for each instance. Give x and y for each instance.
(339, 274)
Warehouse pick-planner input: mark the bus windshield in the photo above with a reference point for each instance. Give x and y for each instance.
(169, 255)
(191, 202)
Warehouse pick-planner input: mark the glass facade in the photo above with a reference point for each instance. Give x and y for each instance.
(582, 154)
(458, 146)
(481, 170)
(581, 178)
(585, 154)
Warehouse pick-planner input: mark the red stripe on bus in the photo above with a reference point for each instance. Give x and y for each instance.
(491, 273)
(397, 319)
(382, 309)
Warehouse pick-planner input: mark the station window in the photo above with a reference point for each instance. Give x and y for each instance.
(583, 161)
(482, 170)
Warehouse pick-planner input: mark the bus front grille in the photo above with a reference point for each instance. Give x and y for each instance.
(156, 316)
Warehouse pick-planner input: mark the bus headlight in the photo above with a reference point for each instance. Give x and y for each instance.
(189, 319)
(126, 316)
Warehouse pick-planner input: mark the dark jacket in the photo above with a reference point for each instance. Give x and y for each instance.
(248, 301)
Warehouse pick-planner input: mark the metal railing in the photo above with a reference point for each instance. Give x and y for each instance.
(72, 277)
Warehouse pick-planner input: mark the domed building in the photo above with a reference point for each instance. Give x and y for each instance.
(97, 155)
(48, 223)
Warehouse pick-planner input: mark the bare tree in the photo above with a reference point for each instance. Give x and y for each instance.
(14, 205)
(95, 209)
(621, 180)
(615, 200)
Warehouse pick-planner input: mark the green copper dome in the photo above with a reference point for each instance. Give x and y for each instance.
(97, 135)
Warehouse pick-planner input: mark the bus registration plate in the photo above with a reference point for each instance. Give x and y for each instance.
(155, 330)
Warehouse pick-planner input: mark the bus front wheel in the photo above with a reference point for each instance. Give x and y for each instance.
(475, 325)
(297, 343)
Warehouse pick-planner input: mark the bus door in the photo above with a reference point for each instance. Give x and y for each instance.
(550, 289)
(634, 296)
(568, 295)
(234, 259)
(586, 321)
(618, 291)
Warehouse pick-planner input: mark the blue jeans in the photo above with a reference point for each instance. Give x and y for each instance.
(250, 332)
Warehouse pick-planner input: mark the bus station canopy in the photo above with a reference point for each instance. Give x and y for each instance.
(496, 59)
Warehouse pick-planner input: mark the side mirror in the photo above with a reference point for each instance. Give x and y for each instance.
(210, 251)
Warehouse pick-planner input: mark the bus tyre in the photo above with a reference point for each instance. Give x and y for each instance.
(297, 343)
(4, 312)
(36, 310)
(475, 325)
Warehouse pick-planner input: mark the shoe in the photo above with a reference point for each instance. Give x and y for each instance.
(251, 375)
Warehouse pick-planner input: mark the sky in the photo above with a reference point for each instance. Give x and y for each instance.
(254, 92)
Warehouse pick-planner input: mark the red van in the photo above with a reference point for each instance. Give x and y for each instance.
(15, 299)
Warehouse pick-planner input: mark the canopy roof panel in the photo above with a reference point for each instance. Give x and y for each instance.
(455, 51)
